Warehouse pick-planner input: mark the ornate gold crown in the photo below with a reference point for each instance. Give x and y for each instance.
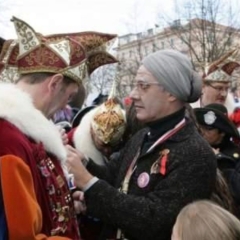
(72, 54)
(109, 121)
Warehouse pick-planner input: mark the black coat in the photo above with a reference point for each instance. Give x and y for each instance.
(228, 156)
(149, 213)
(229, 164)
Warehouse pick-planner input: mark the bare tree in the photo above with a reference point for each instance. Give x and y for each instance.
(132, 48)
(101, 80)
(209, 29)
(128, 68)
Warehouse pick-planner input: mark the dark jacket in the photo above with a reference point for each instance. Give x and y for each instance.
(228, 156)
(149, 213)
(233, 178)
(229, 164)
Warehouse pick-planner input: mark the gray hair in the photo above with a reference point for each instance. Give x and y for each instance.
(174, 71)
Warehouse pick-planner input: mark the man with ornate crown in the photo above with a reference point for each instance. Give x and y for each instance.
(217, 80)
(35, 200)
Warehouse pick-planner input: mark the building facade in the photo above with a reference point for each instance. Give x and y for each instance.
(203, 41)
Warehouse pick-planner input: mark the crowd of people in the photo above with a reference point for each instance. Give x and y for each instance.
(163, 164)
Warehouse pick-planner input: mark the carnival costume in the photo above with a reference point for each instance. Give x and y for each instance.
(35, 196)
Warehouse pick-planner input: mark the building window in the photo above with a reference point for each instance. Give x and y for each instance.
(131, 53)
(150, 32)
(146, 50)
(171, 42)
(154, 47)
(139, 35)
(163, 45)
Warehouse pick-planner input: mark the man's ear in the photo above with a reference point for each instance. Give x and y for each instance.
(55, 82)
(171, 98)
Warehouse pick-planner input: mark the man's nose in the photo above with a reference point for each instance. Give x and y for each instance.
(134, 94)
(224, 93)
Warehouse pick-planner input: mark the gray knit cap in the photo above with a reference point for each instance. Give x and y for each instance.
(175, 73)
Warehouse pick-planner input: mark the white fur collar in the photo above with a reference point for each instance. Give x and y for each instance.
(16, 107)
(83, 141)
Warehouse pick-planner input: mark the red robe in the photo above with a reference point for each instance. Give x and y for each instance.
(31, 221)
(27, 134)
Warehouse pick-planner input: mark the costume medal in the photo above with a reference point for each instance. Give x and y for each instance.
(143, 180)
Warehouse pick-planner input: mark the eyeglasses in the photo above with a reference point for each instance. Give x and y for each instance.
(141, 85)
(220, 89)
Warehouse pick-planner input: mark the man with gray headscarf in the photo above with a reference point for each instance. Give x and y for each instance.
(162, 168)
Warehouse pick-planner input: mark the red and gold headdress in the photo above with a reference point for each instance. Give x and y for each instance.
(8, 61)
(72, 54)
(221, 70)
(109, 121)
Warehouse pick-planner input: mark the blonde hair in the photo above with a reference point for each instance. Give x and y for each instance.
(204, 220)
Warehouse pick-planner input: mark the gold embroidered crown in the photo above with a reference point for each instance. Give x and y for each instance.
(109, 121)
(72, 54)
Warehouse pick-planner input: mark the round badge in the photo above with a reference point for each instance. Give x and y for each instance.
(236, 155)
(143, 180)
(209, 117)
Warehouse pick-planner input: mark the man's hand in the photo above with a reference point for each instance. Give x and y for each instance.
(63, 134)
(79, 202)
(216, 150)
(75, 166)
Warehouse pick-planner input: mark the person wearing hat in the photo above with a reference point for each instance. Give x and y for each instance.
(218, 130)
(35, 199)
(163, 167)
(217, 79)
(98, 129)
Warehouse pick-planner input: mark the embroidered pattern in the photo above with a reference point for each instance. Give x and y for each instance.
(60, 200)
(69, 54)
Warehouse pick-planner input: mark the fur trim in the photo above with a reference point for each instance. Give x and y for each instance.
(17, 108)
(82, 139)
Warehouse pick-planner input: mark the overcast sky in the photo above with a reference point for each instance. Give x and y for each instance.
(115, 16)
(53, 16)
